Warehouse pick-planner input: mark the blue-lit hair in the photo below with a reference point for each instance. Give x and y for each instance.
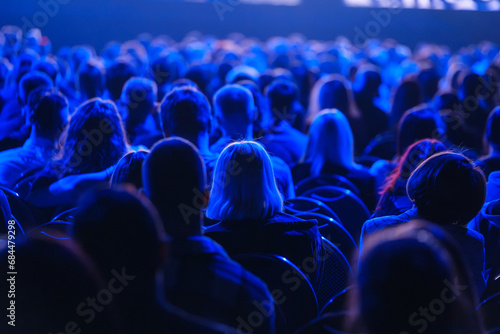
(244, 186)
(330, 142)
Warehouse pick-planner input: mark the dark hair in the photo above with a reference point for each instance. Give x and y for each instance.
(283, 97)
(129, 169)
(447, 188)
(119, 230)
(428, 81)
(407, 96)
(138, 99)
(47, 113)
(95, 139)
(48, 66)
(174, 179)
(413, 266)
(333, 95)
(185, 112)
(418, 123)
(233, 101)
(91, 80)
(116, 76)
(493, 128)
(30, 82)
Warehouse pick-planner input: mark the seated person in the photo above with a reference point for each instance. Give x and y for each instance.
(235, 113)
(448, 190)
(491, 162)
(246, 201)
(198, 276)
(280, 138)
(186, 113)
(48, 118)
(330, 150)
(393, 198)
(127, 250)
(416, 274)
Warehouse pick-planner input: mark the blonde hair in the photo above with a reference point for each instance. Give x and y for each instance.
(244, 186)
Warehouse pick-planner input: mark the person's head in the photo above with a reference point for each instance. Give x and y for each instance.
(95, 139)
(174, 179)
(233, 106)
(414, 156)
(418, 123)
(428, 80)
(49, 115)
(57, 277)
(447, 188)
(5, 72)
(186, 113)
(116, 77)
(138, 98)
(30, 82)
(493, 129)
(330, 142)
(333, 94)
(407, 96)
(128, 169)
(48, 66)
(416, 274)
(244, 185)
(367, 83)
(90, 82)
(120, 232)
(258, 99)
(22, 64)
(282, 98)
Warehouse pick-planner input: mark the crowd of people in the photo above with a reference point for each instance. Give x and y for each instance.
(148, 187)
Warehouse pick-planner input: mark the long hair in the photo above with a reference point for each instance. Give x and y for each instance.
(330, 142)
(95, 139)
(244, 186)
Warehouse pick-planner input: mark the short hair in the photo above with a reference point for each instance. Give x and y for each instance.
(95, 138)
(447, 188)
(185, 112)
(32, 81)
(48, 113)
(174, 178)
(128, 169)
(282, 97)
(118, 229)
(244, 185)
(493, 129)
(139, 98)
(418, 123)
(90, 81)
(48, 66)
(116, 76)
(330, 142)
(234, 102)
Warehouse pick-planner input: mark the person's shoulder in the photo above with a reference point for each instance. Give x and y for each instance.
(288, 221)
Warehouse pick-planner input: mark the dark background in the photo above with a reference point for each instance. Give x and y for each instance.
(99, 21)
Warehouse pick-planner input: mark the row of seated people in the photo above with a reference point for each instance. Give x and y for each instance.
(247, 182)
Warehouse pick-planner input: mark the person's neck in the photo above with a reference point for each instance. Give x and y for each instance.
(202, 142)
(35, 134)
(239, 132)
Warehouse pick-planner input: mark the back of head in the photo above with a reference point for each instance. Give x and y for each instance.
(418, 123)
(48, 66)
(333, 95)
(56, 280)
(95, 138)
(120, 232)
(493, 129)
(90, 81)
(244, 184)
(128, 169)
(330, 142)
(139, 97)
(417, 278)
(186, 113)
(367, 83)
(282, 95)
(234, 104)
(50, 113)
(407, 96)
(116, 77)
(447, 188)
(174, 180)
(428, 81)
(31, 81)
